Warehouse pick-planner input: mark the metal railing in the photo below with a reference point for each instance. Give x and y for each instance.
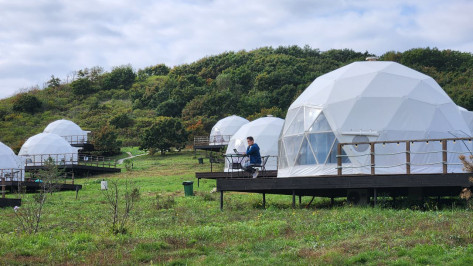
(405, 150)
(214, 140)
(77, 139)
(69, 159)
(12, 174)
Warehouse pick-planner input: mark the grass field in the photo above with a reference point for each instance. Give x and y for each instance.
(167, 228)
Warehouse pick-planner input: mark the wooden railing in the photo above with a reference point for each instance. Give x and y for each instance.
(68, 159)
(214, 140)
(12, 174)
(77, 139)
(405, 151)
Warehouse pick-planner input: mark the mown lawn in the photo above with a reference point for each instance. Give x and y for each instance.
(168, 228)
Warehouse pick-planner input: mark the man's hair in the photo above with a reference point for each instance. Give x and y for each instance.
(250, 138)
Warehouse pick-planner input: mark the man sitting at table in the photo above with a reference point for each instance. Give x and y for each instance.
(252, 151)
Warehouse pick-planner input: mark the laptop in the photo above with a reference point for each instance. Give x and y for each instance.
(236, 151)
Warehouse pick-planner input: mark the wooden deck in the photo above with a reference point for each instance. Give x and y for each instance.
(29, 186)
(393, 185)
(33, 186)
(215, 148)
(7, 202)
(235, 174)
(79, 169)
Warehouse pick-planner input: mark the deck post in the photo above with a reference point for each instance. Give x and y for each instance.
(3, 187)
(264, 200)
(332, 201)
(293, 199)
(221, 200)
(375, 197)
(372, 158)
(408, 157)
(77, 191)
(198, 182)
(339, 159)
(444, 155)
(300, 200)
(73, 178)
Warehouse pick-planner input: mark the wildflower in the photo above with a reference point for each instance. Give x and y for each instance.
(16, 208)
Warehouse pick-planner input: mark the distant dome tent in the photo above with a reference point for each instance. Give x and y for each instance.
(11, 166)
(69, 130)
(224, 129)
(265, 132)
(366, 102)
(38, 148)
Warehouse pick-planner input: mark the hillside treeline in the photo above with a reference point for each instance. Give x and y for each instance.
(246, 83)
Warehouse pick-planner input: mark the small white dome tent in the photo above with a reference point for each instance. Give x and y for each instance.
(365, 102)
(11, 166)
(224, 129)
(468, 117)
(69, 130)
(40, 147)
(265, 131)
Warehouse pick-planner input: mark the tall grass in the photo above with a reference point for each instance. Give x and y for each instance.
(166, 227)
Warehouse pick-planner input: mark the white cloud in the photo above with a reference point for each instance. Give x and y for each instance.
(40, 38)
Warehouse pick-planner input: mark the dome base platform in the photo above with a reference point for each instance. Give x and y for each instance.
(394, 185)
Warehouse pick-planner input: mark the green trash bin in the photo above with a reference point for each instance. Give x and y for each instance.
(188, 188)
(201, 160)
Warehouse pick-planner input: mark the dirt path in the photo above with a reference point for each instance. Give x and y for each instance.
(129, 157)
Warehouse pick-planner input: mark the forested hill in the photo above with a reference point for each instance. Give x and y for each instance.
(245, 83)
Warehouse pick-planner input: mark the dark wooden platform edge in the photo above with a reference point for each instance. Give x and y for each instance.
(6, 202)
(79, 169)
(36, 185)
(449, 184)
(209, 147)
(216, 175)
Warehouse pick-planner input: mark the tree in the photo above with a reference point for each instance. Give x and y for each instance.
(82, 86)
(168, 108)
(121, 77)
(121, 205)
(29, 215)
(105, 141)
(54, 82)
(165, 133)
(157, 70)
(121, 121)
(27, 103)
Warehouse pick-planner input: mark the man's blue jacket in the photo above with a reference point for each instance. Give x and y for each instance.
(253, 152)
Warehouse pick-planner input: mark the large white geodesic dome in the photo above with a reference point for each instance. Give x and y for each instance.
(224, 129)
(11, 166)
(265, 131)
(69, 130)
(40, 147)
(365, 102)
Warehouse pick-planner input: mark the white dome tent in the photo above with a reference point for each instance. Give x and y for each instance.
(224, 129)
(69, 130)
(11, 166)
(366, 102)
(468, 117)
(265, 131)
(38, 148)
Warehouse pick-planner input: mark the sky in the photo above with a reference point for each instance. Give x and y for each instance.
(40, 38)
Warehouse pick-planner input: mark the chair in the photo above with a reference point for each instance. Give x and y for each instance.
(262, 166)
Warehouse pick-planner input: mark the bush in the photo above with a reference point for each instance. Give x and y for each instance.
(121, 77)
(121, 121)
(27, 103)
(164, 202)
(82, 86)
